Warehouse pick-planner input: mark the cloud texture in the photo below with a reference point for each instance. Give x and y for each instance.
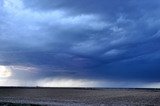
(107, 40)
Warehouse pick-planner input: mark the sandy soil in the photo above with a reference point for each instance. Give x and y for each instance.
(80, 97)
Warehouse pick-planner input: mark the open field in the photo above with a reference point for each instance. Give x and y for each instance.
(10, 96)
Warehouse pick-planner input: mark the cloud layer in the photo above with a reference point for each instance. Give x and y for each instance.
(93, 40)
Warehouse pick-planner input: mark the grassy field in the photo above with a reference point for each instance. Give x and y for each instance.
(14, 96)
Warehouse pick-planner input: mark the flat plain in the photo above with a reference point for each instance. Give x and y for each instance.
(38, 96)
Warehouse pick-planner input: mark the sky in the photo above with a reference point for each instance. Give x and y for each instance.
(85, 43)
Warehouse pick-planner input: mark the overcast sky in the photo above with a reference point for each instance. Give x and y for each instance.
(85, 43)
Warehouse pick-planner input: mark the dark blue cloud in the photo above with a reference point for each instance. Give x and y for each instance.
(107, 39)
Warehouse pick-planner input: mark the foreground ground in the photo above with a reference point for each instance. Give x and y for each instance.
(78, 97)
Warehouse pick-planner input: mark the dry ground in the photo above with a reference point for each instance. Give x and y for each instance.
(79, 97)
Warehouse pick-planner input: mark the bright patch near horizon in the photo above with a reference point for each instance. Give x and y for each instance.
(5, 72)
(67, 82)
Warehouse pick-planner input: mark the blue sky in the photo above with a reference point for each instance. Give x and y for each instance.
(106, 43)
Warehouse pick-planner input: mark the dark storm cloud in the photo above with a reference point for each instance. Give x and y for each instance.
(107, 39)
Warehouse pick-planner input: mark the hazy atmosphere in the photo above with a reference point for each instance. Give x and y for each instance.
(85, 43)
